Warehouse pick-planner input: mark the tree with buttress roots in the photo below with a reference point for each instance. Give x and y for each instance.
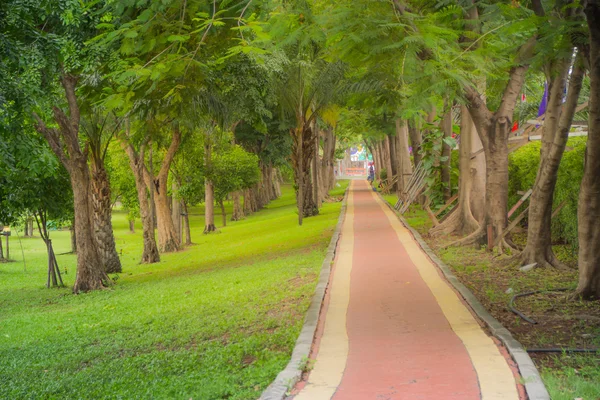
(588, 211)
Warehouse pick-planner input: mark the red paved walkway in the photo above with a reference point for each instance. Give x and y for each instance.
(400, 343)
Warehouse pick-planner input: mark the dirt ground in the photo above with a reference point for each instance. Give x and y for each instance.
(561, 321)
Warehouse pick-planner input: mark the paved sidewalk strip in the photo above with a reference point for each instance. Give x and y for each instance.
(394, 328)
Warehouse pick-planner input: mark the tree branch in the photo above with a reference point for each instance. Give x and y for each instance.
(69, 82)
(517, 78)
(53, 138)
(166, 163)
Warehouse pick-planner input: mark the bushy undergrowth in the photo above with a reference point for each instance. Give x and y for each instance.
(522, 169)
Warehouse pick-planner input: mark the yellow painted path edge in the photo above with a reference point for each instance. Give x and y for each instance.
(328, 370)
(496, 379)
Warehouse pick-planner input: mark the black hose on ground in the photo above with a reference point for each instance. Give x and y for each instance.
(560, 350)
(532, 321)
(512, 308)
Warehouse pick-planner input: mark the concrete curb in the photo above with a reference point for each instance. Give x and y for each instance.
(292, 373)
(532, 381)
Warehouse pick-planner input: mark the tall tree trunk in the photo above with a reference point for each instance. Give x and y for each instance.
(64, 142)
(176, 211)
(314, 165)
(494, 130)
(392, 140)
(223, 213)
(462, 221)
(90, 270)
(186, 218)
(555, 135)
(385, 147)
(29, 227)
(403, 155)
(301, 159)
(73, 238)
(131, 226)
(588, 212)
(209, 207)
(168, 240)
(416, 139)
(447, 155)
(105, 239)
(238, 211)
(136, 163)
(247, 202)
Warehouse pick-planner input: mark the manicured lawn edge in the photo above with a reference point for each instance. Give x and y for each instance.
(292, 373)
(531, 377)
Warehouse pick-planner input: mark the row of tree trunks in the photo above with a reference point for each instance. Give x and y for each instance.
(555, 134)
(28, 227)
(588, 212)
(258, 196)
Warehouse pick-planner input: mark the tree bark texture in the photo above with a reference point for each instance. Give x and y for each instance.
(416, 139)
(64, 142)
(186, 219)
(392, 140)
(494, 130)
(301, 158)
(223, 213)
(102, 205)
(555, 134)
(314, 166)
(403, 155)
(168, 240)
(209, 207)
(447, 155)
(385, 147)
(136, 163)
(73, 238)
(238, 211)
(588, 212)
(462, 221)
(176, 212)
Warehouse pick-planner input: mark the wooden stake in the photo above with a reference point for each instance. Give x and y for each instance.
(521, 201)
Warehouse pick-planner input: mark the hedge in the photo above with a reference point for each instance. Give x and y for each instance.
(522, 170)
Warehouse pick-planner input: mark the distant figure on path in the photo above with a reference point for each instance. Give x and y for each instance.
(371, 176)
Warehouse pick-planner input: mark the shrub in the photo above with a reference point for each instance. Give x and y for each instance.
(522, 169)
(383, 174)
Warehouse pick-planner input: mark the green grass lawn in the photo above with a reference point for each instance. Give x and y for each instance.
(216, 321)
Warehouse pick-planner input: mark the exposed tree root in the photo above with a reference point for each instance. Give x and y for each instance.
(457, 223)
(543, 259)
(476, 237)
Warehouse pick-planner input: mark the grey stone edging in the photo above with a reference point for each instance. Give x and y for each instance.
(531, 378)
(287, 379)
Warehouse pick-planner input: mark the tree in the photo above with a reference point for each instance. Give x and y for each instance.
(52, 38)
(99, 131)
(588, 210)
(34, 183)
(233, 169)
(136, 161)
